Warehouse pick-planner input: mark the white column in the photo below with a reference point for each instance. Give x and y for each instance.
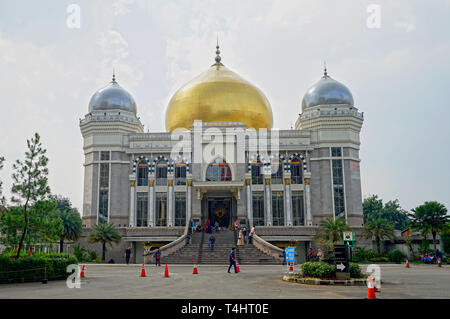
(170, 205)
(249, 204)
(309, 219)
(189, 202)
(287, 191)
(132, 216)
(151, 204)
(268, 195)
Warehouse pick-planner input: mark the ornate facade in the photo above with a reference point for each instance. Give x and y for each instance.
(221, 159)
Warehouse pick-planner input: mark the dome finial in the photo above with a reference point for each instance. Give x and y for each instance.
(114, 76)
(218, 58)
(325, 74)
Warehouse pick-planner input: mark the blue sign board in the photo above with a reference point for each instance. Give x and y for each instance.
(290, 254)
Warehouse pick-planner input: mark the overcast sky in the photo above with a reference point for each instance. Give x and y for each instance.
(399, 75)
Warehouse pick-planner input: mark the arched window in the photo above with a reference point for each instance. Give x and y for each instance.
(180, 174)
(142, 172)
(276, 168)
(257, 173)
(296, 171)
(218, 171)
(161, 173)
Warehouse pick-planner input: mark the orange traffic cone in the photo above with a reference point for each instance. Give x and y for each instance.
(195, 272)
(370, 290)
(82, 273)
(237, 266)
(166, 272)
(143, 271)
(375, 285)
(407, 263)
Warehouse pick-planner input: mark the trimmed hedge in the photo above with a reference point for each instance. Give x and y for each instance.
(31, 268)
(396, 256)
(324, 270)
(318, 269)
(355, 271)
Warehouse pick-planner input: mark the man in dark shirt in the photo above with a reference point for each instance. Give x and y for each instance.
(158, 258)
(212, 241)
(127, 255)
(232, 260)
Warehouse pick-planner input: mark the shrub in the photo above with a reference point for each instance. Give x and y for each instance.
(80, 252)
(318, 270)
(92, 255)
(379, 259)
(31, 268)
(355, 270)
(396, 256)
(360, 254)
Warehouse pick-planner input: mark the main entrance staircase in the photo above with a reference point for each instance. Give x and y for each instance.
(198, 250)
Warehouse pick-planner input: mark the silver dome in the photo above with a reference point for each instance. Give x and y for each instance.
(112, 97)
(327, 91)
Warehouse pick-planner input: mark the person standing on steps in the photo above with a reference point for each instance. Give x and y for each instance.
(232, 260)
(244, 232)
(212, 241)
(240, 241)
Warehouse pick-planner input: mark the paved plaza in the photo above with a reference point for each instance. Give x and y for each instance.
(122, 281)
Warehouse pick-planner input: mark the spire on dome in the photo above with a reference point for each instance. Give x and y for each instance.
(218, 58)
(325, 74)
(114, 76)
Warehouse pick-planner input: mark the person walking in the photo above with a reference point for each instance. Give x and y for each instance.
(250, 238)
(232, 259)
(244, 232)
(438, 255)
(158, 258)
(212, 241)
(127, 255)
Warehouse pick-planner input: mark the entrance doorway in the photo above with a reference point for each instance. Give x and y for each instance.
(219, 209)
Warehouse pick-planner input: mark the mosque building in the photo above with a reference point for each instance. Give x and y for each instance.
(221, 160)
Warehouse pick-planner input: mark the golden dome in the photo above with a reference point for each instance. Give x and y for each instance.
(218, 95)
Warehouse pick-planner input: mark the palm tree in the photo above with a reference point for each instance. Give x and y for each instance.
(380, 229)
(104, 233)
(430, 217)
(72, 226)
(331, 230)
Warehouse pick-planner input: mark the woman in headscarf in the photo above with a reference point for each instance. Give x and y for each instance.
(240, 241)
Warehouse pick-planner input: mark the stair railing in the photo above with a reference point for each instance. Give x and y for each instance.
(267, 247)
(173, 246)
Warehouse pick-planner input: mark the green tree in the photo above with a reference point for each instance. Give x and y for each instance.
(374, 208)
(30, 182)
(380, 229)
(2, 198)
(71, 221)
(430, 217)
(42, 227)
(104, 233)
(331, 230)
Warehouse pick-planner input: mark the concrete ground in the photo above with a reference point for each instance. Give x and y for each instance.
(122, 281)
